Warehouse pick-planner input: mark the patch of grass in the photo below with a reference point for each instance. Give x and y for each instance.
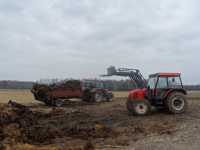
(194, 95)
(120, 94)
(23, 96)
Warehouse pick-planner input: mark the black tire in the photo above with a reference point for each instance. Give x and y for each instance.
(45, 99)
(87, 96)
(99, 97)
(47, 102)
(177, 103)
(109, 97)
(58, 102)
(138, 107)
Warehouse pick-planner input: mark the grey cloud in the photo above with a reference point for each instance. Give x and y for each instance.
(67, 38)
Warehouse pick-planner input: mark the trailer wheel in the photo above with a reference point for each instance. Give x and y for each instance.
(58, 102)
(109, 97)
(177, 103)
(138, 107)
(87, 96)
(47, 101)
(98, 97)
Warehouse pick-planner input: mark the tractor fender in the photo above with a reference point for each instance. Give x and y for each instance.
(174, 90)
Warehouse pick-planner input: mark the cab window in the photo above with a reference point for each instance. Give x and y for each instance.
(174, 82)
(99, 85)
(162, 83)
(152, 83)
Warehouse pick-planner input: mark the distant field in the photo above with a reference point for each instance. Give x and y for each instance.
(194, 95)
(191, 94)
(25, 96)
(120, 94)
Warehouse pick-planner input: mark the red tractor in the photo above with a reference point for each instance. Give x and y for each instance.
(161, 90)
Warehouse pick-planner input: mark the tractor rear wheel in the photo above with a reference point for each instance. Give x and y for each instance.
(177, 103)
(138, 107)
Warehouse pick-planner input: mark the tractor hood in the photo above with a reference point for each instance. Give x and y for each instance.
(137, 94)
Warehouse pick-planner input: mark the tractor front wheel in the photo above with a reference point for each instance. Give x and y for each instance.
(177, 103)
(138, 107)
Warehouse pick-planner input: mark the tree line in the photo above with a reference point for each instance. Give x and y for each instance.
(115, 85)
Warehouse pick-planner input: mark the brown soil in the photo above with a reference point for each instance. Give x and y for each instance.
(80, 126)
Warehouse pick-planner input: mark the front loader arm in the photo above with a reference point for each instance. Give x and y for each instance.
(134, 75)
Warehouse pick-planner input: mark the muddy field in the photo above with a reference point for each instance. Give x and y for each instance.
(83, 126)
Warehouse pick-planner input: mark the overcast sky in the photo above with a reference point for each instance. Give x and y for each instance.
(81, 38)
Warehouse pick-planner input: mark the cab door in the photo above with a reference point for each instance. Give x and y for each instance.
(151, 85)
(161, 88)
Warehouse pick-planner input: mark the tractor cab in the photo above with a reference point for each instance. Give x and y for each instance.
(165, 80)
(160, 85)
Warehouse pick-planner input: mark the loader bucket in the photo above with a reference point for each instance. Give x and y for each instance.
(111, 71)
